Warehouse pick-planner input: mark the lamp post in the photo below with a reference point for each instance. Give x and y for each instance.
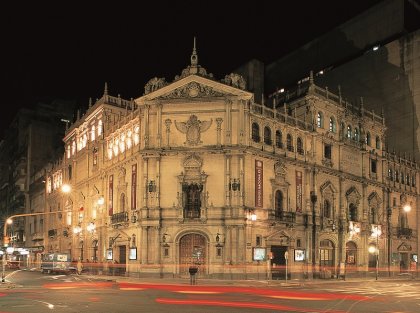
(314, 199)
(377, 232)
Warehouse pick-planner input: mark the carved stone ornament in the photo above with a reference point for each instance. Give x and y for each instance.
(154, 84)
(197, 70)
(193, 129)
(235, 80)
(193, 90)
(280, 170)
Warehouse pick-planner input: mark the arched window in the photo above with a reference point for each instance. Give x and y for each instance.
(378, 142)
(279, 139)
(390, 174)
(332, 125)
(413, 181)
(326, 212)
(402, 178)
(100, 128)
(343, 130)
(403, 219)
(349, 132)
(373, 216)
(267, 135)
(299, 145)
(122, 202)
(368, 138)
(92, 133)
(407, 180)
(352, 212)
(356, 134)
(290, 143)
(279, 204)
(320, 120)
(397, 176)
(255, 132)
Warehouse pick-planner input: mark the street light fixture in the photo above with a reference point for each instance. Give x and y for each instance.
(407, 208)
(376, 232)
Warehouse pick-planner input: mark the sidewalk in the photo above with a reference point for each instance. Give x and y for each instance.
(248, 283)
(227, 282)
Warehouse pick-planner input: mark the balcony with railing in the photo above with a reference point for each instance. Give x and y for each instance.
(404, 232)
(284, 216)
(119, 219)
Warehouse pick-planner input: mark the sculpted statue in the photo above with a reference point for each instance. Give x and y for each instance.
(235, 80)
(193, 129)
(154, 84)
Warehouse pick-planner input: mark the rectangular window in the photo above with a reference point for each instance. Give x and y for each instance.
(373, 166)
(219, 252)
(327, 151)
(258, 240)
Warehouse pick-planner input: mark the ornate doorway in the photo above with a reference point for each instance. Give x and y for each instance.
(192, 252)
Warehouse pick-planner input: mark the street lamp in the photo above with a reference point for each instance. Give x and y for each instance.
(376, 232)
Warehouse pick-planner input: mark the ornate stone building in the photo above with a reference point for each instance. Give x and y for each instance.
(196, 173)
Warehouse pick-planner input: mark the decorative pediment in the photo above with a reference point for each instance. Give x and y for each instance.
(328, 188)
(280, 237)
(404, 247)
(280, 170)
(191, 87)
(374, 200)
(193, 90)
(353, 196)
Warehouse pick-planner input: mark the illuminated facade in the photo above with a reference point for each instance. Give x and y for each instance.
(195, 173)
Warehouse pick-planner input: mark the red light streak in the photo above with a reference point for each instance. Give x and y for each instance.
(253, 305)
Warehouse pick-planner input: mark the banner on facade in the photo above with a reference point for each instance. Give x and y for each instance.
(298, 191)
(133, 186)
(110, 193)
(258, 184)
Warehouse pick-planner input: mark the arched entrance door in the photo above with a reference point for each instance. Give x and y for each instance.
(192, 252)
(326, 258)
(351, 257)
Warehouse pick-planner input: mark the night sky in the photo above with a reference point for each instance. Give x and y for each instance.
(66, 50)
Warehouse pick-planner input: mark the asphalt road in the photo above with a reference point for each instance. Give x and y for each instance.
(33, 292)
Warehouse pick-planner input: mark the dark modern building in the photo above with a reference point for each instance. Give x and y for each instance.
(373, 59)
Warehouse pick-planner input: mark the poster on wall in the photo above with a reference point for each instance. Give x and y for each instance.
(109, 255)
(298, 192)
(133, 254)
(258, 184)
(299, 255)
(259, 254)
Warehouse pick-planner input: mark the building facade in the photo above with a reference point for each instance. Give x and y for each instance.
(196, 173)
(33, 139)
